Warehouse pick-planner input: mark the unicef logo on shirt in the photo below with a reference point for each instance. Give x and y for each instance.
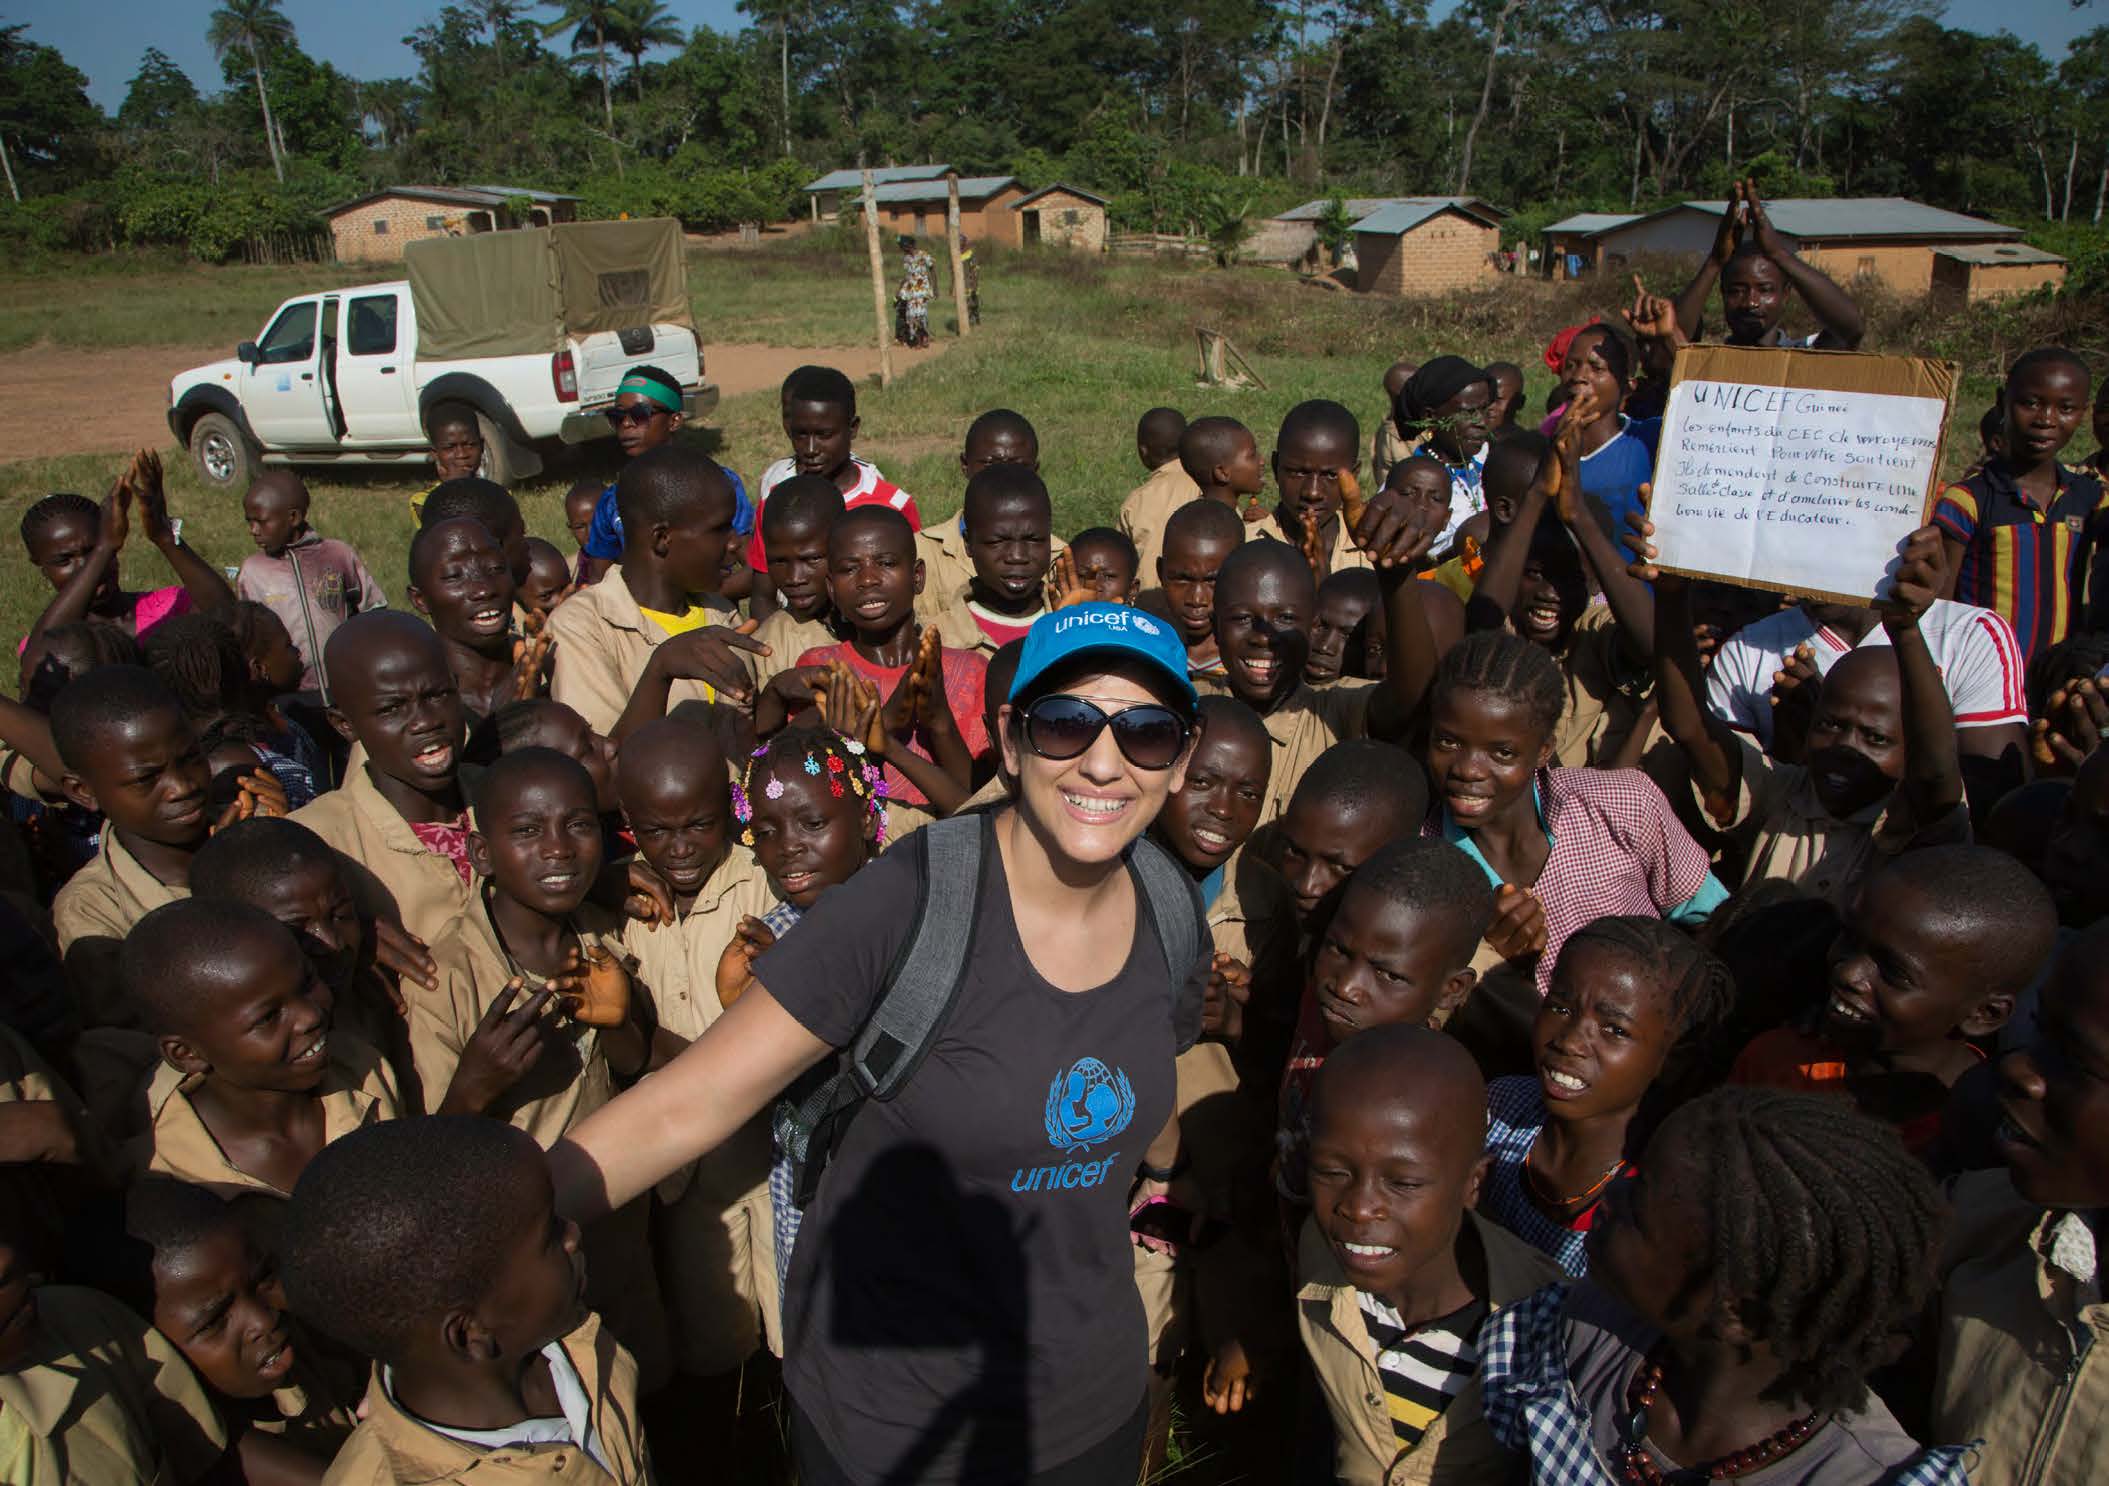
(1087, 1105)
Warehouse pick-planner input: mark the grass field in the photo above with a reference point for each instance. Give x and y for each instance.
(1080, 346)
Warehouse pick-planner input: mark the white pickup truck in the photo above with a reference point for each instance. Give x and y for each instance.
(531, 329)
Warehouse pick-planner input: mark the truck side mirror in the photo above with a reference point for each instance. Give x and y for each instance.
(246, 353)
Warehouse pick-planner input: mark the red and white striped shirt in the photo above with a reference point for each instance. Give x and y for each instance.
(1979, 660)
(871, 489)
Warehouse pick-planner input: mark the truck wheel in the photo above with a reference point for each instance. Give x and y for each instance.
(225, 458)
(505, 461)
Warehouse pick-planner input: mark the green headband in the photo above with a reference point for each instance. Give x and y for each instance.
(650, 387)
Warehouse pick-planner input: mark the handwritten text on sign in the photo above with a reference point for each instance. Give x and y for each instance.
(1792, 487)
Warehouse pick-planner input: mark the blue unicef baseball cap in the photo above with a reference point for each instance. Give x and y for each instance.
(1102, 629)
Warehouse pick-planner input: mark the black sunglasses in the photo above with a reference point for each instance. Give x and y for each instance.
(642, 412)
(1062, 727)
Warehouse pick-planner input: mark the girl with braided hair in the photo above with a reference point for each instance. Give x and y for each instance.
(1772, 1251)
(1622, 1038)
(811, 804)
(1562, 847)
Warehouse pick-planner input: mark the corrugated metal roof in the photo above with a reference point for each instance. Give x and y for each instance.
(1997, 253)
(483, 196)
(1836, 218)
(1058, 186)
(850, 180)
(504, 191)
(971, 188)
(1401, 217)
(1585, 222)
(1359, 207)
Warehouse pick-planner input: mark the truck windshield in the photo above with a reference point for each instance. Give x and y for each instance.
(291, 336)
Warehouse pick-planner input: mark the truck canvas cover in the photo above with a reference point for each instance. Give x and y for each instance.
(522, 291)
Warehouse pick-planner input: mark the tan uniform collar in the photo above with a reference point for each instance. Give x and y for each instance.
(1511, 1269)
(387, 821)
(419, 1455)
(175, 1125)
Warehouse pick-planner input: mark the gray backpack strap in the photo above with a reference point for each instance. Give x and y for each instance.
(921, 985)
(925, 979)
(1175, 905)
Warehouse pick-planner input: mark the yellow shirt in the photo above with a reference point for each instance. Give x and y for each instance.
(92, 914)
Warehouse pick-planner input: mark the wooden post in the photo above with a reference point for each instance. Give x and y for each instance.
(959, 267)
(878, 280)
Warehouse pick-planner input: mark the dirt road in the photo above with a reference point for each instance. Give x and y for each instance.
(65, 401)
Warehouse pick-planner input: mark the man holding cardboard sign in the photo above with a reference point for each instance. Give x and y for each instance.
(1799, 471)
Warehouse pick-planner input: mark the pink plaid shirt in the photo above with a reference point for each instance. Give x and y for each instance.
(1616, 850)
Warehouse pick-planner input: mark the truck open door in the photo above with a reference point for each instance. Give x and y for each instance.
(288, 396)
(374, 385)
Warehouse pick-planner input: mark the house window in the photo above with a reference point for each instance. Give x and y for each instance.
(380, 226)
(1071, 219)
(435, 223)
(1866, 270)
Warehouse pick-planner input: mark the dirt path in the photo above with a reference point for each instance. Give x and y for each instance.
(66, 401)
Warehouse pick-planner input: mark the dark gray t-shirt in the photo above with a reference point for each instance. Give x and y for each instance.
(961, 1305)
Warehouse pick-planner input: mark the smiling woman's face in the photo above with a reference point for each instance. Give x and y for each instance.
(1088, 809)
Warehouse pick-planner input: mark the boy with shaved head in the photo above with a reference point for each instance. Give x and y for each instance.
(653, 632)
(253, 1078)
(712, 1218)
(997, 437)
(400, 818)
(1150, 504)
(311, 582)
(1398, 1273)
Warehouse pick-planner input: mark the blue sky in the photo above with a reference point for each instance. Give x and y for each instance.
(104, 38)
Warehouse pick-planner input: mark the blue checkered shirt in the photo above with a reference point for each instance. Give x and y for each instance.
(1515, 1119)
(1531, 1405)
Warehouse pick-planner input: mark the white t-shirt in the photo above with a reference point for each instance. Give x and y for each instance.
(1979, 659)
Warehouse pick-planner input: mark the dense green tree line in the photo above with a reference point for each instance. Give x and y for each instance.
(1189, 115)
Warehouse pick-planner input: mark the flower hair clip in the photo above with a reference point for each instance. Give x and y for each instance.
(812, 766)
(775, 788)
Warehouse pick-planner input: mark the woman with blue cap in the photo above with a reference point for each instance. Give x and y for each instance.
(961, 1305)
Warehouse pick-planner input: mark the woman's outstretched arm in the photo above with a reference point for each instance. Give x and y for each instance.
(685, 1110)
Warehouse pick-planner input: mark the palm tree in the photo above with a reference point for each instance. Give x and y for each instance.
(496, 15)
(253, 26)
(641, 25)
(591, 23)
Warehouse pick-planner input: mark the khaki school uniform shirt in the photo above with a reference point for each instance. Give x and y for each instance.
(392, 1448)
(92, 913)
(1458, 1449)
(357, 1090)
(679, 964)
(2023, 1362)
(1792, 836)
(1606, 690)
(1305, 724)
(788, 637)
(569, 1082)
(103, 1398)
(392, 873)
(313, 1411)
(603, 643)
(1387, 447)
(1344, 554)
(948, 569)
(1253, 920)
(1148, 507)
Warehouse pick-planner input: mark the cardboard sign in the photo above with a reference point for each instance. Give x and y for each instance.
(1799, 471)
